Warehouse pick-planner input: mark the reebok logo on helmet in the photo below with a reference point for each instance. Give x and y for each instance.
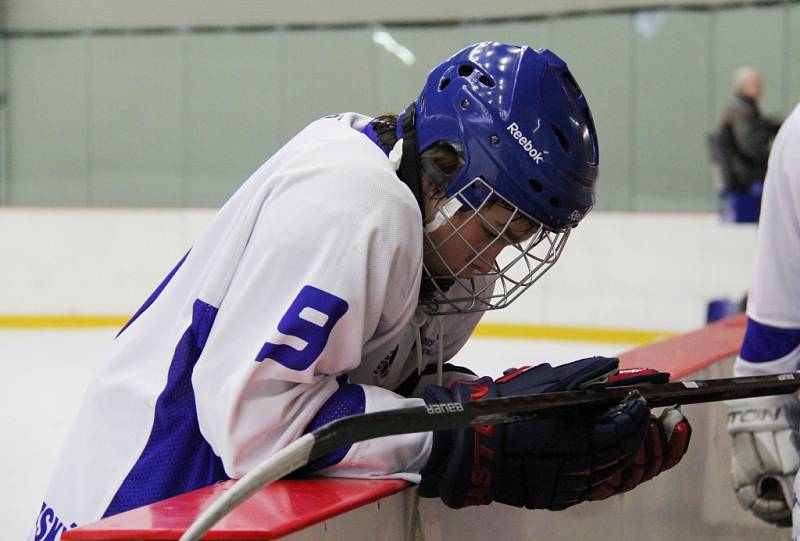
(536, 155)
(575, 216)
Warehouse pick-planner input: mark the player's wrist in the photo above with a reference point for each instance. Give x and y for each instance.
(435, 466)
(462, 468)
(442, 442)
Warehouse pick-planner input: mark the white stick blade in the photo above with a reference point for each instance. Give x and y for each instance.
(282, 463)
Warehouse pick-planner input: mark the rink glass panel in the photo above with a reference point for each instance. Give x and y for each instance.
(180, 117)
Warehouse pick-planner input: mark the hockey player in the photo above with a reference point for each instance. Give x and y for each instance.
(766, 441)
(339, 279)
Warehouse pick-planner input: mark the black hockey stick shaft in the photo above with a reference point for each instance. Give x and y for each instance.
(349, 430)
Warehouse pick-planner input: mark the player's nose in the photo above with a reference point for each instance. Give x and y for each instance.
(485, 262)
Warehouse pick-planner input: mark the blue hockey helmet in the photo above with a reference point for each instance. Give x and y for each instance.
(518, 121)
(524, 137)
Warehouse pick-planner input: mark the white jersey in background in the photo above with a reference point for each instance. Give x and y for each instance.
(772, 339)
(765, 449)
(309, 274)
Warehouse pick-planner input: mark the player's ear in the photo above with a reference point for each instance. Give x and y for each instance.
(441, 163)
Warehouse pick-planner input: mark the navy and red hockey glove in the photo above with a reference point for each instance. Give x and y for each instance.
(665, 444)
(541, 464)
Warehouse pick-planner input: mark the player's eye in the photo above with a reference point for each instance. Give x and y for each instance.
(491, 229)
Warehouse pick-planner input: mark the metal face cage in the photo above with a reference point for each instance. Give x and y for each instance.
(476, 281)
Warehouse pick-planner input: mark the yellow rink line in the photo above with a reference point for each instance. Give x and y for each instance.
(484, 330)
(575, 334)
(61, 322)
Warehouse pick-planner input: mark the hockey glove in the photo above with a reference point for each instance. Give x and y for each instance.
(765, 455)
(665, 444)
(540, 464)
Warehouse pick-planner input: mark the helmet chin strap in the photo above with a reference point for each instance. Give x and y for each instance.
(409, 173)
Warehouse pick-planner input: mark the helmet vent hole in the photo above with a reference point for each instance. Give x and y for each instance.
(536, 185)
(486, 80)
(562, 139)
(443, 83)
(571, 86)
(555, 201)
(465, 70)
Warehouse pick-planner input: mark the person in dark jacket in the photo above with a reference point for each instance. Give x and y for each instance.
(745, 133)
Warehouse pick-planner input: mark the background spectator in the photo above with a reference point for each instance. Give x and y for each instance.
(745, 134)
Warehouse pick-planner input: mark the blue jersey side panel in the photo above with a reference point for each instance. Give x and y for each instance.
(177, 458)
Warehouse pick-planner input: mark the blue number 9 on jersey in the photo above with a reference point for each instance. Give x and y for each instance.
(319, 306)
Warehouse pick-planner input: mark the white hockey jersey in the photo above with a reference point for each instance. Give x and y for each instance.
(772, 339)
(309, 274)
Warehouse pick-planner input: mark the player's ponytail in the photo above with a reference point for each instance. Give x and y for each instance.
(385, 127)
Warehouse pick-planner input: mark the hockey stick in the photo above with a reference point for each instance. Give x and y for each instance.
(348, 430)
